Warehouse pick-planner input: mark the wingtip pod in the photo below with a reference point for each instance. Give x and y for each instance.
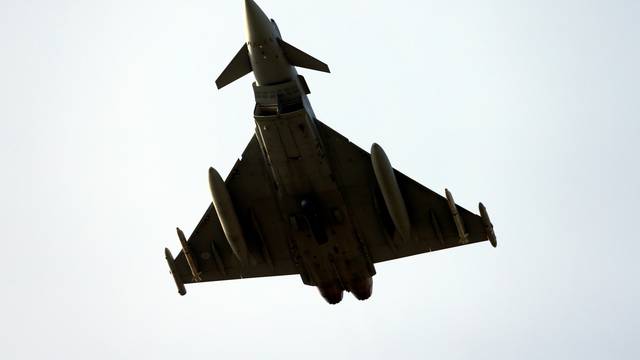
(172, 266)
(484, 215)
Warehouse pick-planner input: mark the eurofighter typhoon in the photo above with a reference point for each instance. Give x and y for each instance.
(304, 200)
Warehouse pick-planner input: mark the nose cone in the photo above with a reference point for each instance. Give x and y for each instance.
(258, 27)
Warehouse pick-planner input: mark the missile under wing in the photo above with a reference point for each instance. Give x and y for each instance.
(303, 200)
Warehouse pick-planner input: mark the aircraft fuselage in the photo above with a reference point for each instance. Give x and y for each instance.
(321, 232)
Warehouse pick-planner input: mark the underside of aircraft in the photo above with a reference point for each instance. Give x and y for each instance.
(303, 199)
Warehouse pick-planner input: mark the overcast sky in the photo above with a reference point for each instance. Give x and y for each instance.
(109, 120)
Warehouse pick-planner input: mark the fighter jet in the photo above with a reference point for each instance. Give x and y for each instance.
(302, 199)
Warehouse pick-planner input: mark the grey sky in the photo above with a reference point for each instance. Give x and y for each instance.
(109, 120)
